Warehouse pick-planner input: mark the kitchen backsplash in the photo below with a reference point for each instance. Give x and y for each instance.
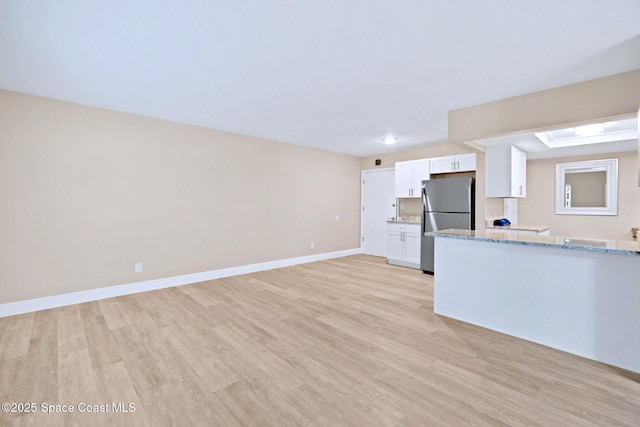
(409, 207)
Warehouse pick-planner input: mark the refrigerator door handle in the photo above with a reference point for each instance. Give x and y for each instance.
(424, 209)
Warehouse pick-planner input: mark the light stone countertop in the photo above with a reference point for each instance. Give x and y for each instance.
(536, 228)
(625, 247)
(407, 219)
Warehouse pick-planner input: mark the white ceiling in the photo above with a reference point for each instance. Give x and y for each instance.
(332, 74)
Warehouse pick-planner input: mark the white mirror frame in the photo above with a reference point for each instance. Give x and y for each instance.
(611, 196)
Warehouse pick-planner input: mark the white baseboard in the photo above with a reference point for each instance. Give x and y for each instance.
(37, 304)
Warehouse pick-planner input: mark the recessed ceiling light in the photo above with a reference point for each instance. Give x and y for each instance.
(590, 130)
(390, 139)
(618, 130)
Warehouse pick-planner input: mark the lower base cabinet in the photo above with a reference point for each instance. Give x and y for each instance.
(403, 244)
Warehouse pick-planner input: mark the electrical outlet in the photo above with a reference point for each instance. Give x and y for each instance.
(337, 217)
(137, 267)
(312, 246)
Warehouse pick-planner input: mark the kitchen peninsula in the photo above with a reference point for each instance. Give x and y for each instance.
(575, 295)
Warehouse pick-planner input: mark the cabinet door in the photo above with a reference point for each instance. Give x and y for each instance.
(518, 173)
(403, 179)
(412, 247)
(465, 162)
(420, 173)
(498, 172)
(442, 164)
(395, 246)
(506, 170)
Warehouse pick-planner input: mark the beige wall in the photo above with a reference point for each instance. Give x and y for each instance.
(87, 192)
(538, 208)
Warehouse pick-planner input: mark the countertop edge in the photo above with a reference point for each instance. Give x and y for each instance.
(516, 227)
(526, 241)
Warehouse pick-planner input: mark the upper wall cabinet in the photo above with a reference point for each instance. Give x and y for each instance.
(506, 171)
(409, 177)
(449, 164)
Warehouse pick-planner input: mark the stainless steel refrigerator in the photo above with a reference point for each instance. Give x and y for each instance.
(446, 203)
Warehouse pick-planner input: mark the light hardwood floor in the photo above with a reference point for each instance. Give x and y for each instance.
(346, 342)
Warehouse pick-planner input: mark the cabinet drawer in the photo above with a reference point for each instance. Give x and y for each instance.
(395, 227)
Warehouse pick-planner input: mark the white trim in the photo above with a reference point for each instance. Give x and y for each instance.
(610, 166)
(45, 303)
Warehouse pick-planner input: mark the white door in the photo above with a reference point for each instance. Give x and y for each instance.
(378, 205)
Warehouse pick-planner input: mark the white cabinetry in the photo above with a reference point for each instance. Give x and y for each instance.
(448, 164)
(403, 244)
(506, 168)
(409, 177)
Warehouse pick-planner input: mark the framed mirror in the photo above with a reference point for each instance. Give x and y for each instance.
(587, 188)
